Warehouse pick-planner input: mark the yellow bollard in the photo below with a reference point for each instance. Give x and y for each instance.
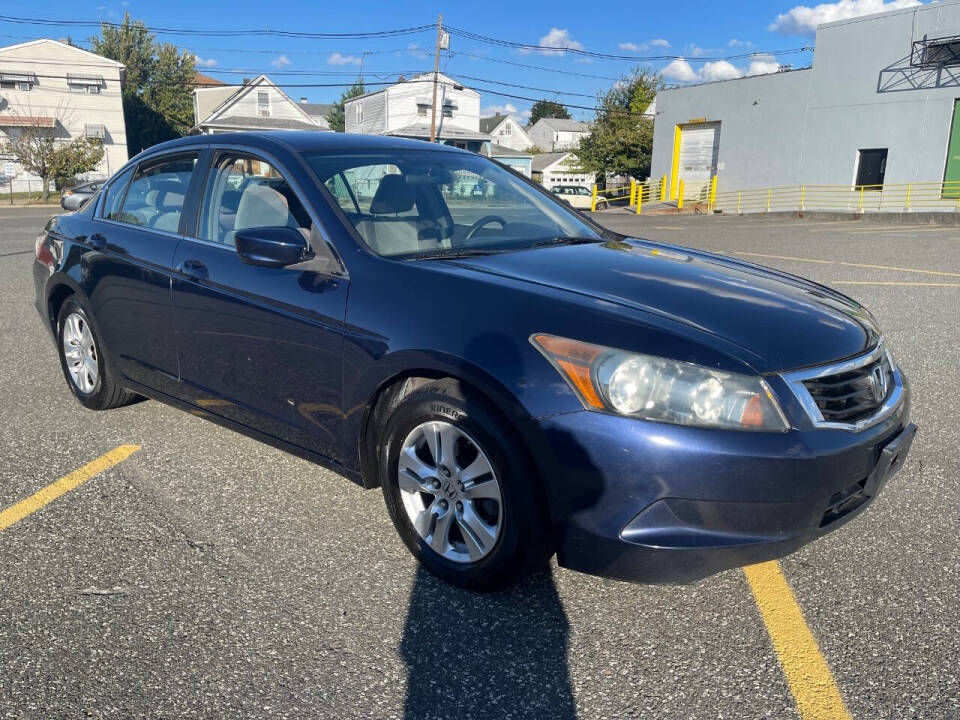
(739, 200)
(680, 195)
(860, 206)
(713, 192)
(593, 200)
(663, 188)
(633, 191)
(909, 190)
(769, 193)
(639, 199)
(803, 198)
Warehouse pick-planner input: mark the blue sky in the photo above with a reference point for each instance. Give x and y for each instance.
(702, 33)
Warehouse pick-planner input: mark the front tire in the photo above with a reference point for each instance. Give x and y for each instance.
(86, 367)
(461, 490)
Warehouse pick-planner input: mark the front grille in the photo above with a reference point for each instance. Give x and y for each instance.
(853, 395)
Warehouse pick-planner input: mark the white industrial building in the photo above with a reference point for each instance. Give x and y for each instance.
(65, 91)
(879, 105)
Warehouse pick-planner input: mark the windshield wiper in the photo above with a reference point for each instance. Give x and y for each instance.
(446, 254)
(567, 240)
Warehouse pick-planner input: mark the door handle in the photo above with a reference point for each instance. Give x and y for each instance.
(98, 241)
(193, 269)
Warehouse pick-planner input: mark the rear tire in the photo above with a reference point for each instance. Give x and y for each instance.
(86, 365)
(476, 516)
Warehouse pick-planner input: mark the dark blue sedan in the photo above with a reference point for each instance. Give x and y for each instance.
(518, 380)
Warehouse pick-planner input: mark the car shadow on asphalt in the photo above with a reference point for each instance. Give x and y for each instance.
(472, 655)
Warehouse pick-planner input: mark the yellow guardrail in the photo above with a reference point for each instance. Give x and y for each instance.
(632, 195)
(897, 197)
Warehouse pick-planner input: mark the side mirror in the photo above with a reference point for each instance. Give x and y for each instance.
(271, 246)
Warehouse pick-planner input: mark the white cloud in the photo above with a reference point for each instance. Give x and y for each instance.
(681, 71)
(280, 62)
(639, 47)
(736, 43)
(803, 20)
(338, 59)
(506, 109)
(201, 62)
(763, 65)
(719, 70)
(417, 51)
(559, 39)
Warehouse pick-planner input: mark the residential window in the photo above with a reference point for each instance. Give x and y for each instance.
(507, 129)
(90, 84)
(95, 130)
(17, 81)
(422, 109)
(448, 107)
(263, 104)
(359, 112)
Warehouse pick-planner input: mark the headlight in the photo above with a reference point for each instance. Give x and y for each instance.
(654, 388)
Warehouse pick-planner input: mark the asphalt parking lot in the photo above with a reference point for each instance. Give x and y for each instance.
(198, 573)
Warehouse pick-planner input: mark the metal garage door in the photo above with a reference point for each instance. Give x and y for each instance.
(699, 148)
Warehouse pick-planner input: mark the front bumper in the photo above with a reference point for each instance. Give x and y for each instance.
(659, 503)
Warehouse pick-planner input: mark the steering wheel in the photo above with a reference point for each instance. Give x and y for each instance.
(485, 220)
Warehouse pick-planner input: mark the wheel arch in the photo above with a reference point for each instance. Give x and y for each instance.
(399, 383)
(57, 293)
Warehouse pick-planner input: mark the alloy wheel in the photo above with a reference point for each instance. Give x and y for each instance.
(80, 353)
(450, 491)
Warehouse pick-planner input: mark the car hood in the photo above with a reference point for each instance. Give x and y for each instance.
(778, 321)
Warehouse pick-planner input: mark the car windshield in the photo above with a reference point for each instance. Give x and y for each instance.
(434, 203)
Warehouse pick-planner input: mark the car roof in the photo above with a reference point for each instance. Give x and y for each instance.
(304, 141)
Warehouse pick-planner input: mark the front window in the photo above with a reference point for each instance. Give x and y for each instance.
(243, 192)
(416, 203)
(263, 104)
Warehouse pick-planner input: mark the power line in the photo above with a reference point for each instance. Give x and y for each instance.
(532, 67)
(396, 32)
(551, 50)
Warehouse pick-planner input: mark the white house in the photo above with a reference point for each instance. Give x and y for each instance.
(257, 104)
(71, 92)
(506, 132)
(555, 134)
(405, 109)
(560, 168)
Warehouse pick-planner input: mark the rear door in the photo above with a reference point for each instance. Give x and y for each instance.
(136, 231)
(259, 346)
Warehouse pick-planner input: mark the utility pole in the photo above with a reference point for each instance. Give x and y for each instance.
(436, 75)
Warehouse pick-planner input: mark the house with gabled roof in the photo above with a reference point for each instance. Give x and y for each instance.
(65, 91)
(506, 132)
(257, 104)
(558, 134)
(405, 109)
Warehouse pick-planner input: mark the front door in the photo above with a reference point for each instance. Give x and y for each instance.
(951, 175)
(260, 346)
(137, 230)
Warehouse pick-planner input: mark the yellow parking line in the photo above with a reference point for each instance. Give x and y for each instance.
(879, 282)
(850, 264)
(16, 513)
(808, 676)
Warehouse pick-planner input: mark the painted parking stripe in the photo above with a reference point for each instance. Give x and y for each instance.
(17, 512)
(808, 676)
(903, 284)
(849, 264)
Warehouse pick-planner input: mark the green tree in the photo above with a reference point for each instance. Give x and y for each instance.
(336, 117)
(621, 141)
(157, 90)
(548, 109)
(39, 152)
